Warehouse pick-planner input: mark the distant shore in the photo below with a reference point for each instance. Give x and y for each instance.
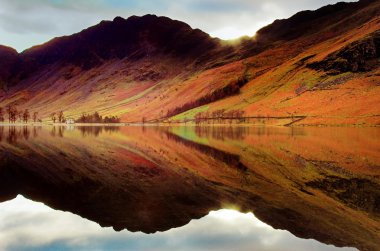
(189, 124)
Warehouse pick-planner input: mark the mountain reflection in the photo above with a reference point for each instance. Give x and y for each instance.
(320, 183)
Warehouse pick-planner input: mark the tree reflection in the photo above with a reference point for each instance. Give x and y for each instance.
(26, 132)
(12, 134)
(61, 130)
(1, 133)
(97, 130)
(222, 133)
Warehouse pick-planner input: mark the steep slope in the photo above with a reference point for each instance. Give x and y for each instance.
(342, 15)
(135, 38)
(8, 59)
(319, 65)
(295, 77)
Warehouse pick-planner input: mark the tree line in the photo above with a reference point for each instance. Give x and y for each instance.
(220, 116)
(231, 89)
(17, 115)
(58, 117)
(25, 116)
(97, 118)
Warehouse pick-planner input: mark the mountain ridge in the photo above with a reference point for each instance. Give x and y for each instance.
(147, 67)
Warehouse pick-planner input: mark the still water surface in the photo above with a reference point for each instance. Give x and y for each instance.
(189, 188)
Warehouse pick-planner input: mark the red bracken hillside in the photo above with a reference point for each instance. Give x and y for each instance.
(319, 66)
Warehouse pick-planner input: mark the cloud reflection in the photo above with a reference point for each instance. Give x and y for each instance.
(42, 228)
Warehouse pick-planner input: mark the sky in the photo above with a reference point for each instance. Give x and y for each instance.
(42, 228)
(24, 23)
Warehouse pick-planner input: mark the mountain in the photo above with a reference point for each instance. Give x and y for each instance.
(135, 38)
(317, 67)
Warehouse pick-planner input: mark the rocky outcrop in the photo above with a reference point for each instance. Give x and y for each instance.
(360, 56)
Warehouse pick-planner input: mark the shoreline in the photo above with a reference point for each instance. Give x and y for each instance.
(185, 125)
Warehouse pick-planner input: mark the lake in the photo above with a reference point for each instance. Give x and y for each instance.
(189, 188)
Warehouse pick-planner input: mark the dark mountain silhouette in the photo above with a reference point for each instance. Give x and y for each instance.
(134, 38)
(8, 60)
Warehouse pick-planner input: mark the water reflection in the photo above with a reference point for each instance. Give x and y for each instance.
(319, 183)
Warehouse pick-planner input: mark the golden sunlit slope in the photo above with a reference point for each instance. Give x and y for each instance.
(322, 66)
(294, 82)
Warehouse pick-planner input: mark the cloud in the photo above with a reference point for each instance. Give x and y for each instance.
(25, 23)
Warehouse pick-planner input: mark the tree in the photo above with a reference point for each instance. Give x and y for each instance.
(12, 113)
(9, 111)
(97, 118)
(53, 117)
(207, 117)
(35, 117)
(26, 116)
(198, 118)
(240, 115)
(20, 115)
(1, 115)
(82, 118)
(61, 117)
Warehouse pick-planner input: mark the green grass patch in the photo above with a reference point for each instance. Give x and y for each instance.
(190, 114)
